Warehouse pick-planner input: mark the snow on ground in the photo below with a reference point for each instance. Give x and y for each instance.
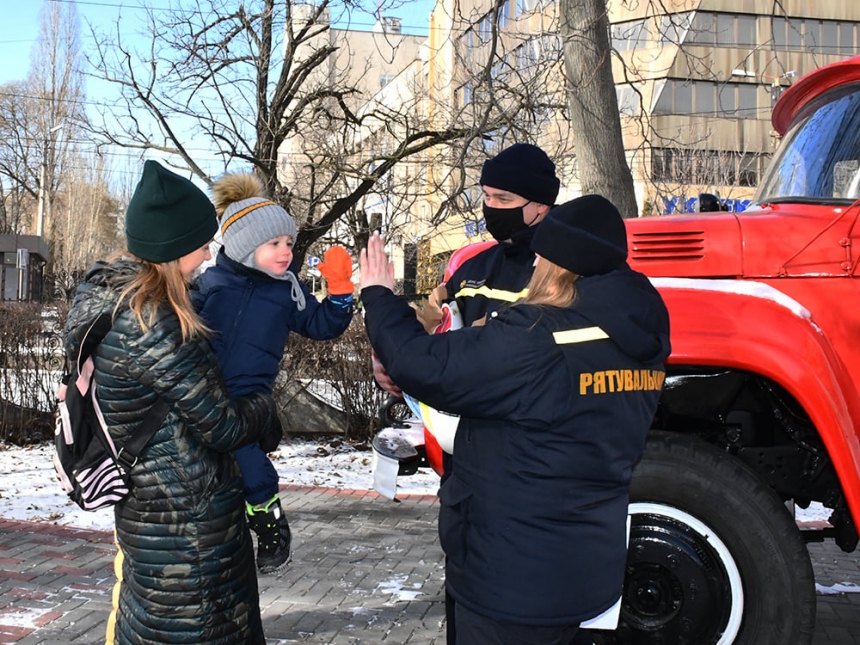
(29, 489)
(838, 588)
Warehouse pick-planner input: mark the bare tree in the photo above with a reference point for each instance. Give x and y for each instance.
(19, 156)
(90, 228)
(13, 202)
(36, 122)
(55, 76)
(252, 81)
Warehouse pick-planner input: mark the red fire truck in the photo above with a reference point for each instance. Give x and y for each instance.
(760, 411)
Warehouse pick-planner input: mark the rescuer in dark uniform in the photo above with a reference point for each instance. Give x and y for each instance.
(519, 187)
(555, 396)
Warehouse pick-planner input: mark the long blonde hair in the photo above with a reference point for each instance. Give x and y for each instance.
(155, 284)
(551, 285)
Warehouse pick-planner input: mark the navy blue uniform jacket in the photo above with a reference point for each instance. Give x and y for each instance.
(252, 315)
(494, 278)
(555, 405)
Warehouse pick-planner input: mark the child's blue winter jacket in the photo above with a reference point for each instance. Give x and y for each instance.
(252, 314)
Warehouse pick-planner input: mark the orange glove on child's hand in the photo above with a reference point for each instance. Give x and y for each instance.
(337, 270)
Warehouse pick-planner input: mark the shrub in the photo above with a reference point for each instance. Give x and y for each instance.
(341, 371)
(31, 361)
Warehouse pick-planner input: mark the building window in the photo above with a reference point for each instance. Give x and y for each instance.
(705, 97)
(747, 100)
(812, 35)
(549, 45)
(725, 30)
(704, 28)
(846, 38)
(829, 37)
(741, 30)
(778, 32)
(726, 94)
(683, 97)
(526, 55)
(665, 101)
(819, 36)
(674, 28)
(504, 15)
(629, 99)
(708, 98)
(748, 170)
(795, 33)
(385, 79)
(485, 29)
(498, 68)
(707, 167)
(747, 31)
(524, 6)
(465, 94)
(410, 269)
(627, 36)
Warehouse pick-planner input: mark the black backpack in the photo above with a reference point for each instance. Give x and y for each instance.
(91, 470)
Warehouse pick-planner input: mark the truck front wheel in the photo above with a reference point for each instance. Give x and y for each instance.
(714, 557)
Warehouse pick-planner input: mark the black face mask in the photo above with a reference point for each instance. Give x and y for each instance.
(502, 223)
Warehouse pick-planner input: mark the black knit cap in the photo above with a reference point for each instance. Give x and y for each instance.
(585, 235)
(525, 170)
(168, 216)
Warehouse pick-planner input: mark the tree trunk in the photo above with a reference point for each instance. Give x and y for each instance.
(594, 115)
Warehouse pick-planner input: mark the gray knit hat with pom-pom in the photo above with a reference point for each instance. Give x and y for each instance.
(248, 217)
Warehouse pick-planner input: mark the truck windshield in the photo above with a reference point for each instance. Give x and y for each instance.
(819, 158)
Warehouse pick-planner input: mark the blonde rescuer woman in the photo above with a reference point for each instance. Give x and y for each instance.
(555, 396)
(185, 563)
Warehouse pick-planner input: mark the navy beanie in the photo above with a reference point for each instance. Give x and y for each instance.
(525, 170)
(585, 235)
(168, 216)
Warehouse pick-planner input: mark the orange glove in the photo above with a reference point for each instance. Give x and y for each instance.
(337, 270)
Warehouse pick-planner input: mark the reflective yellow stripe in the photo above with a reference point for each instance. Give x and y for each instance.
(244, 212)
(110, 630)
(492, 294)
(579, 335)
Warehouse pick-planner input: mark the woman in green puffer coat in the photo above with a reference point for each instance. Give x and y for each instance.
(185, 563)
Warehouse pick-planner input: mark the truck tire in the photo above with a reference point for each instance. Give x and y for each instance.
(714, 557)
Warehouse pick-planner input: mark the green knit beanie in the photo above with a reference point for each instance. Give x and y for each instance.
(168, 216)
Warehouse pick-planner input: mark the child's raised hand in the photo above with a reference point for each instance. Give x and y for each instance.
(336, 268)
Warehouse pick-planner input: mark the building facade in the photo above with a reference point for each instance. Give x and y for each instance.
(22, 270)
(695, 83)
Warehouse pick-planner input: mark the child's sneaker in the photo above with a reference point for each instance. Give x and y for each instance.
(273, 534)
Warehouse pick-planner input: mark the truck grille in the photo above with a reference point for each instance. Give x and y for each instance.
(672, 245)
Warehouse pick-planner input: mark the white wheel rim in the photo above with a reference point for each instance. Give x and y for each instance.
(733, 626)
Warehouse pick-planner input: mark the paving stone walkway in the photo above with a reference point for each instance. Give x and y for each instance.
(365, 571)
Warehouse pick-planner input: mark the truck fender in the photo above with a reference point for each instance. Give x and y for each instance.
(755, 327)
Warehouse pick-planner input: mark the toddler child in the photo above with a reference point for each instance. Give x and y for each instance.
(251, 299)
